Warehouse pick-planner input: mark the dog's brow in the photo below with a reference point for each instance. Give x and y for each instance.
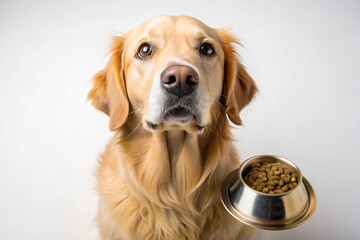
(203, 35)
(153, 32)
(152, 35)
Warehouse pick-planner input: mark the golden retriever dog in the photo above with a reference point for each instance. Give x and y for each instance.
(170, 88)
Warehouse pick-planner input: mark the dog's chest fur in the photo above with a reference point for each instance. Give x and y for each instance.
(165, 186)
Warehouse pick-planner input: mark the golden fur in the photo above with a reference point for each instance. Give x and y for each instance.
(165, 183)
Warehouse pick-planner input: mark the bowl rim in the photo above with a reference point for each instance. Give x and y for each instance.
(233, 177)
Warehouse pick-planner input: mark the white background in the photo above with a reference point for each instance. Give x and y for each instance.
(304, 56)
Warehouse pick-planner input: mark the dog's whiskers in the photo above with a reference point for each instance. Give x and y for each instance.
(220, 105)
(140, 108)
(216, 128)
(137, 126)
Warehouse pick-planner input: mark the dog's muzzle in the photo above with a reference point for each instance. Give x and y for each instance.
(179, 84)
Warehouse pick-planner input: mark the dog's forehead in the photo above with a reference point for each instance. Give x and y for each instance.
(172, 27)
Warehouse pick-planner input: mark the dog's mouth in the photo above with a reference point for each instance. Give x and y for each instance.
(180, 117)
(180, 113)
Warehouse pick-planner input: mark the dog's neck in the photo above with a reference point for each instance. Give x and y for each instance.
(185, 159)
(175, 143)
(175, 140)
(175, 164)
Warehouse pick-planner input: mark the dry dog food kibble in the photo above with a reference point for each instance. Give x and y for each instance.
(271, 178)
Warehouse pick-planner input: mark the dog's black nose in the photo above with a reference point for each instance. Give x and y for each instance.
(179, 80)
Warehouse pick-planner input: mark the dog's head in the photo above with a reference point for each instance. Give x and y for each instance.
(172, 72)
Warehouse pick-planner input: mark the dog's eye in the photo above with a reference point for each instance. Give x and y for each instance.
(206, 49)
(144, 51)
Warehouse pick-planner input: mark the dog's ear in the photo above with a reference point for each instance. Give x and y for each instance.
(238, 87)
(108, 93)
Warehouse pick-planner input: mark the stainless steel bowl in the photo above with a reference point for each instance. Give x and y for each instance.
(267, 211)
